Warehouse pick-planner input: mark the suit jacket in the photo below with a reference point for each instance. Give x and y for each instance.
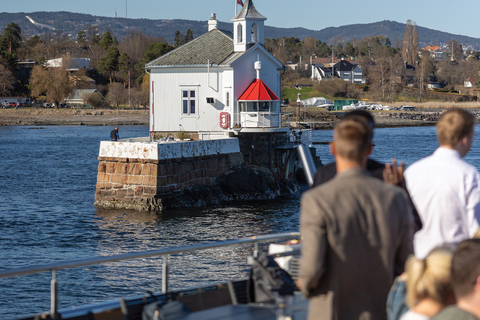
(357, 233)
(327, 172)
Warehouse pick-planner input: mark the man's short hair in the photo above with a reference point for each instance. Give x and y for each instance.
(362, 113)
(465, 267)
(454, 125)
(352, 137)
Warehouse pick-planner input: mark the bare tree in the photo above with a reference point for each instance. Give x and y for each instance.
(7, 80)
(53, 83)
(423, 71)
(410, 43)
(117, 94)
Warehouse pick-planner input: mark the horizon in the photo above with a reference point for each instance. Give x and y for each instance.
(455, 20)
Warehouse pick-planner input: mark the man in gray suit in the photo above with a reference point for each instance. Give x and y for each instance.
(356, 232)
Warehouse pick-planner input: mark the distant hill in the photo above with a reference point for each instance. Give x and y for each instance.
(72, 23)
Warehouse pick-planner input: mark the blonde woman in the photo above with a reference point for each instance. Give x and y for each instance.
(428, 284)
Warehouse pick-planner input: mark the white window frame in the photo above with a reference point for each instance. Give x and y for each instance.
(188, 99)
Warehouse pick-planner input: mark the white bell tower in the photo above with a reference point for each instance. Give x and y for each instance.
(248, 27)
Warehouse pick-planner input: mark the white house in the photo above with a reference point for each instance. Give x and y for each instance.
(70, 64)
(343, 69)
(470, 82)
(219, 84)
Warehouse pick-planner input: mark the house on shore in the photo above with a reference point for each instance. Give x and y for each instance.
(327, 68)
(435, 52)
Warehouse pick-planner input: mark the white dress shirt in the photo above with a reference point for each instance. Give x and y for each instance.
(446, 193)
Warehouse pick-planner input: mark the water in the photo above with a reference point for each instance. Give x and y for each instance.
(47, 187)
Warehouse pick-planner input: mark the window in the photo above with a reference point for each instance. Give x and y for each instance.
(239, 33)
(254, 32)
(189, 101)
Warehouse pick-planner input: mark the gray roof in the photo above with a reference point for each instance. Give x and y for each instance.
(249, 11)
(214, 46)
(80, 94)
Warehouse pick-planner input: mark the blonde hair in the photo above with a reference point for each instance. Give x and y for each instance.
(430, 277)
(453, 125)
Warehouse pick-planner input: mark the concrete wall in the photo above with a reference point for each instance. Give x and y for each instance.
(167, 150)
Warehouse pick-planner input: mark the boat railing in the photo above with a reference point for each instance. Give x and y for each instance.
(54, 267)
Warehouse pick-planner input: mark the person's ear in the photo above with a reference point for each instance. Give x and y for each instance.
(477, 284)
(370, 149)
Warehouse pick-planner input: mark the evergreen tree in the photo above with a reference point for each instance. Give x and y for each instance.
(13, 36)
(124, 65)
(189, 36)
(179, 39)
(109, 64)
(82, 39)
(106, 41)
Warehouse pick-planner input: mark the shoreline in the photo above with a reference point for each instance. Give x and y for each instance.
(74, 117)
(112, 117)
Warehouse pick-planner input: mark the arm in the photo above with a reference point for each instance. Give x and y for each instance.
(393, 174)
(473, 206)
(405, 244)
(314, 245)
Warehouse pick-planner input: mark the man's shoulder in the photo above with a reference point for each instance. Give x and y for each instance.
(454, 313)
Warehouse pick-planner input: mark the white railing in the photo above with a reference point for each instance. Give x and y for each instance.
(260, 120)
(301, 136)
(166, 252)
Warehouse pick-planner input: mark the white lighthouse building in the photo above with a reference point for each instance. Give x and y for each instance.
(210, 85)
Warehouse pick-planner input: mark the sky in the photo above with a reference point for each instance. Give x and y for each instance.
(441, 15)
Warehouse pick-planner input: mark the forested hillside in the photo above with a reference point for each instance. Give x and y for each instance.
(71, 23)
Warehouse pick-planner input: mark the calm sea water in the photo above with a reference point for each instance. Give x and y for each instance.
(47, 187)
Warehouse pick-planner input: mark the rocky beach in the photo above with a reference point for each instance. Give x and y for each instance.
(109, 117)
(92, 117)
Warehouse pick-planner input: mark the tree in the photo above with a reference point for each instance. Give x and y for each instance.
(410, 43)
(424, 68)
(189, 35)
(117, 94)
(179, 39)
(106, 41)
(153, 51)
(109, 64)
(7, 80)
(350, 50)
(13, 36)
(82, 38)
(54, 83)
(95, 100)
(124, 66)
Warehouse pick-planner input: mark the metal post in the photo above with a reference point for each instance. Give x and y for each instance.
(54, 295)
(165, 274)
(255, 250)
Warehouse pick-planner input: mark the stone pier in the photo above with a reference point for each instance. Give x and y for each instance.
(140, 175)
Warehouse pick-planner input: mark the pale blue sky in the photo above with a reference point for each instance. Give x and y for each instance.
(448, 16)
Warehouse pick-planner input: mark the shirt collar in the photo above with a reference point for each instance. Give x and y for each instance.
(442, 151)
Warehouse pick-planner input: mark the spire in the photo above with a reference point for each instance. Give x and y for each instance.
(248, 27)
(249, 11)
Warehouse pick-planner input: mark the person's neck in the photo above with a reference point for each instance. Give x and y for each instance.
(428, 307)
(469, 305)
(345, 164)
